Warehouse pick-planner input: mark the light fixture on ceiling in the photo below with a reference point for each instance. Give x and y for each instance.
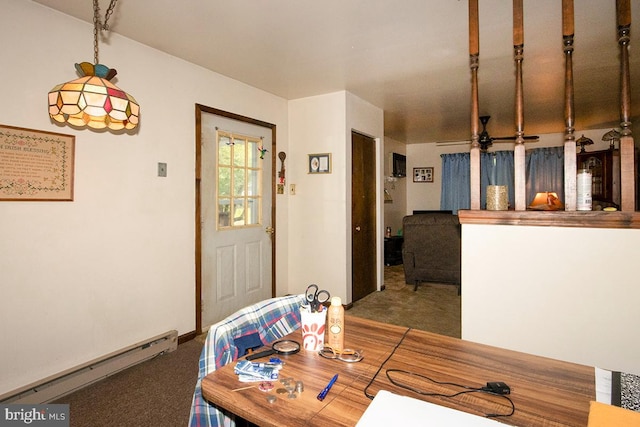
(612, 136)
(92, 100)
(582, 141)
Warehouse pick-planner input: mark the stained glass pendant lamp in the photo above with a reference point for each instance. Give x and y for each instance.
(92, 100)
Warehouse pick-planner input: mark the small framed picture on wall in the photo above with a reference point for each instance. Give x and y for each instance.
(423, 174)
(320, 163)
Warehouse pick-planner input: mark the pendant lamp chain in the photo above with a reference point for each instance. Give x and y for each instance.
(99, 25)
(93, 100)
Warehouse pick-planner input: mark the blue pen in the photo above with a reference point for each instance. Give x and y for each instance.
(324, 392)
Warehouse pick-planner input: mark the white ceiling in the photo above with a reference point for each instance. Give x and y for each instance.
(408, 57)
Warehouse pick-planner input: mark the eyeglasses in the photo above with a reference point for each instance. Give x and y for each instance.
(346, 355)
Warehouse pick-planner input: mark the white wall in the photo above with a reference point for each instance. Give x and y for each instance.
(115, 266)
(565, 293)
(316, 212)
(320, 212)
(426, 196)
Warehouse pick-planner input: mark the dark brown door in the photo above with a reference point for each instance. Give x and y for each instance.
(363, 215)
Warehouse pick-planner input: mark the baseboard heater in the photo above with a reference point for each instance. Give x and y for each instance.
(63, 383)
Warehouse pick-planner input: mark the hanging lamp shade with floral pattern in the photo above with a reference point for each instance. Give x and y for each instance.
(92, 100)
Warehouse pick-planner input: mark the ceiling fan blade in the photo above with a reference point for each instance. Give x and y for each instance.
(447, 143)
(513, 138)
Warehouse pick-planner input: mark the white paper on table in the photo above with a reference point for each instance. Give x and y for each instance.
(389, 409)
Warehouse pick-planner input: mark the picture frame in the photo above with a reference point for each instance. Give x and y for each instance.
(36, 165)
(423, 174)
(319, 163)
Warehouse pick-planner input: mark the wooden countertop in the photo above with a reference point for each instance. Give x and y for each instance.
(544, 391)
(586, 219)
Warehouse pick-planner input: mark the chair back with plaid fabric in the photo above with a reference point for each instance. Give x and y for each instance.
(267, 320)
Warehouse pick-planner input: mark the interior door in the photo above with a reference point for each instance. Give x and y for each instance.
(235, 210)
(363, 215)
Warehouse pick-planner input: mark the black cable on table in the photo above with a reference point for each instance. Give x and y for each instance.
(467, 389)
(370, 396)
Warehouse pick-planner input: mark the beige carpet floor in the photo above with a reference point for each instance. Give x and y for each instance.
(156, 393)
(434, 307)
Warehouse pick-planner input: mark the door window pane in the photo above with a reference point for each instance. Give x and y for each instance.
(223, 213)
(239, 189)
(239, 152)
(239, 182)
(238, 211)
(224, 150)
(253, 183)
(224, 181)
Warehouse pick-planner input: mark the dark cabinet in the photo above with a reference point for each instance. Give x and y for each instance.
(605, 176)
(393, 250)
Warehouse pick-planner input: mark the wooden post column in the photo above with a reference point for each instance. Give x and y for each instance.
(570, 168)
(474, 54)
(627, 149)
(520, 182)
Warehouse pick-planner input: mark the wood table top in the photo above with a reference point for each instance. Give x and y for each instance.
(545, 392)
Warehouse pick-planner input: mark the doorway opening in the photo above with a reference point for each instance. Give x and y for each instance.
(364, 260)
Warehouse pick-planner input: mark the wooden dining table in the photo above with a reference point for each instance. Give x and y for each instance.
(544, 392)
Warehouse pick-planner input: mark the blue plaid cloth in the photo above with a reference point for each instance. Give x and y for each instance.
(270, 320)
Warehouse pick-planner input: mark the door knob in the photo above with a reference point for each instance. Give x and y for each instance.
(269, 230)
(358, 228)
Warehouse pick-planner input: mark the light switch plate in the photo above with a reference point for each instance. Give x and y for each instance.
(162, 169)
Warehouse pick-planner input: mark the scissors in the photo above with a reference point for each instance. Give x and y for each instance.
(315, 297)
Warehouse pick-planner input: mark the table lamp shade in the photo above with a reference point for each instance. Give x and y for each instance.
(546, 201)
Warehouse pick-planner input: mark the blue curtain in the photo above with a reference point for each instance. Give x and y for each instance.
(455, 193)
(545, 171)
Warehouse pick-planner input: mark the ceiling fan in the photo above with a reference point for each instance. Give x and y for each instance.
(486, 141)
